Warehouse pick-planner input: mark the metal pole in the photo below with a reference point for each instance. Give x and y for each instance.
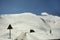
(9, 33)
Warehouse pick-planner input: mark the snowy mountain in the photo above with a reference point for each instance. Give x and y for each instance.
(45, 26)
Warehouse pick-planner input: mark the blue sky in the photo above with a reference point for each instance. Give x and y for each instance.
(34, 6)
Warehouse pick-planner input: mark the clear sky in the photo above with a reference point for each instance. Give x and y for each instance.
(34, 6)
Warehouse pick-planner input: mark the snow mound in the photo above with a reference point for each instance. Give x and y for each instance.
(44, 14)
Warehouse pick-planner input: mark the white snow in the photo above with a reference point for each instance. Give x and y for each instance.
(44, 14)
(22, 23)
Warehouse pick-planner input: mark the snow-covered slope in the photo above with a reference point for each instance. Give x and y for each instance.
(22, 23)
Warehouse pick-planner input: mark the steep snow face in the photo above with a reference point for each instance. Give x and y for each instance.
(54, 23)
(25, 21)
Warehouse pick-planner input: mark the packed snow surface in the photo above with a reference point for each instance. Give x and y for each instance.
(22, 23)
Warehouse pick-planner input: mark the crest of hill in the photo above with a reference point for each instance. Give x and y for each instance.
(20, 14)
